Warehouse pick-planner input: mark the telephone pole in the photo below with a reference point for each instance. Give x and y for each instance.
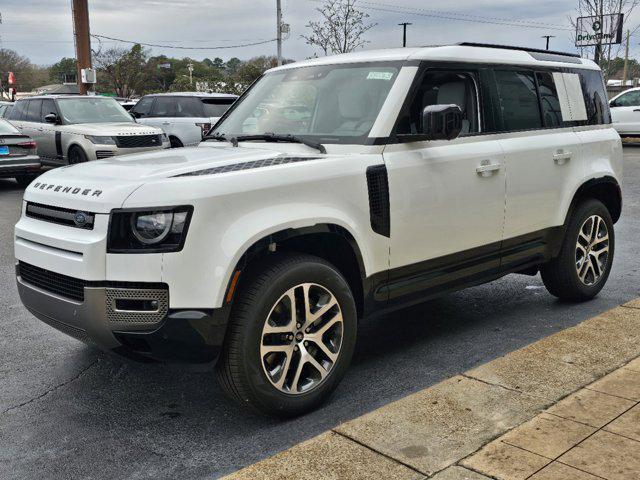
(548, 37)
(82, 41)
(279, 30)
(625, 70)
(404, 32)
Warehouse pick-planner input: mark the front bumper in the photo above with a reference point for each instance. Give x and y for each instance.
(193, 336)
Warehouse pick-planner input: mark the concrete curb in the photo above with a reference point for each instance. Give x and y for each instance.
(427, 434)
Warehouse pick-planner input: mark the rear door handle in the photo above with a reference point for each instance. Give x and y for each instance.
(487, 168)
(562, 157)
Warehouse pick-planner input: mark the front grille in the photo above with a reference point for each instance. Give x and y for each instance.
(77, 333)
(61, 216)
(100, 154)
(137, 141)
(68, 287)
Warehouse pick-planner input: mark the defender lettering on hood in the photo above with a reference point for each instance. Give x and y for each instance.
(66, 189)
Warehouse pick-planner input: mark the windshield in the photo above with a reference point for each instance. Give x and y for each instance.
(330, 104)
(92, 110)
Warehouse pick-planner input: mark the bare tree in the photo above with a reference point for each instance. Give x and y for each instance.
(602, 53)
(341, 29)
(122, 70)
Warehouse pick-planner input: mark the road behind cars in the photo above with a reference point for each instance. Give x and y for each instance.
(69, 411)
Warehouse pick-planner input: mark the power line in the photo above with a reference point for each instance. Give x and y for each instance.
(484, 20)
(181, 47)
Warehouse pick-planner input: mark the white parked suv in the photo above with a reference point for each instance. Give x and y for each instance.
(625, 113)
(410, 173)
(185, 117)
(74, 129)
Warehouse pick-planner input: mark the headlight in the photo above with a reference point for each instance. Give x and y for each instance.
(148, 231)
(101, 140)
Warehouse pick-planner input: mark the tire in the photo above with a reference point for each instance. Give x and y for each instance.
(25, 180)
(562, 275)
(175, 143)
(77, 155)
(242, 369)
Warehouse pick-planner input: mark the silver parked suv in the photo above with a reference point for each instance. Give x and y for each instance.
(74, 129)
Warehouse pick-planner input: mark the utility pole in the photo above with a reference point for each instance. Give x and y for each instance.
(279, 30)
(190, 68)
(404, 32)
(548, 37)
(82, 41)
(625, 70)
(598, 53)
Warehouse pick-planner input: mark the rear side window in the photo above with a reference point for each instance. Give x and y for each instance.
(216, 107)
(33, 111)
(518, 100)
(188, 107)
(595, 97)
(549, 102)
(18, 110)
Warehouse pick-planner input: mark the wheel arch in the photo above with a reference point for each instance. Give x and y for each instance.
(331, 242)
(606, 189)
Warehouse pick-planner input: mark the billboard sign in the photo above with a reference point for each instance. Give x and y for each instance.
(599, 30)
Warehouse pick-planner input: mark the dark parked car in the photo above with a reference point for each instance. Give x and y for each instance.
(18, 158)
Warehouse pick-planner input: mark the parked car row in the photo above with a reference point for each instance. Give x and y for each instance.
(68, 129)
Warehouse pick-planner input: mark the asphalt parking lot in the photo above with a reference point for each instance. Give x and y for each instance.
(69, 411)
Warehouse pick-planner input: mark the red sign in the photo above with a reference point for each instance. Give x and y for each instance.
(12, 78)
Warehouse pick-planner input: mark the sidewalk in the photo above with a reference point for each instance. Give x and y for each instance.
(563, 408)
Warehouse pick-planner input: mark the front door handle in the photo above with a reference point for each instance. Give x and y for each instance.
(487, 168)
(562, 157)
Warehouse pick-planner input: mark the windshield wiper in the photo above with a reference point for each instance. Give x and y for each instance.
(218, 137)
(274, 137)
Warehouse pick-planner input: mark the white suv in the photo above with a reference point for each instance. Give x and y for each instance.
(184, 117)
(405, 174)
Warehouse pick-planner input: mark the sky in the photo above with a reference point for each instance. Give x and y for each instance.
(42, 29)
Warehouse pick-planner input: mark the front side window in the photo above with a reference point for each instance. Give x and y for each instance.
(164, 107)
(630, 99)
(143, 107)
(48, 106)
(443, 88)
(518, 100)
(551, 109)
(329, 104)
(595, 97)
(92, 110)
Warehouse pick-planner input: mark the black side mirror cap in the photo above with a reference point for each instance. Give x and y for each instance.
(51, 118)
(442, 122)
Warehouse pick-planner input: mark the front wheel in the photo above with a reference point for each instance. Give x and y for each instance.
(77, 155)
(290, 337)
(583, 266)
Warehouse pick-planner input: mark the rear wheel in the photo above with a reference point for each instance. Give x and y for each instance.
(77, 155)
(175, 143)
(583, 266)
(291, 336)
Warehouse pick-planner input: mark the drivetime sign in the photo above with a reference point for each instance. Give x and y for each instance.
(599, 30)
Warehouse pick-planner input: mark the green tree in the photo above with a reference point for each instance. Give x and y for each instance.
(62, 70)
(122, 71)
(27, 75)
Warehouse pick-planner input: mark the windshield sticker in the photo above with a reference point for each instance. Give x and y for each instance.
(380, 76)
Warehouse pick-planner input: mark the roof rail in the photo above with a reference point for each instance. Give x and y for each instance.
(512, 47)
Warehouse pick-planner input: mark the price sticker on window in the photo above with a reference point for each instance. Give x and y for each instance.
(380, 76)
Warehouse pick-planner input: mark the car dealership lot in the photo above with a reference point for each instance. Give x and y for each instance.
(67, 410)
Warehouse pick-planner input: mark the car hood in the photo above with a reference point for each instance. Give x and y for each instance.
(111, 129)
(101, 185)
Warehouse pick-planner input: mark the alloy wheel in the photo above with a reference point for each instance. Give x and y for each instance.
(592, 250)
(301, 338)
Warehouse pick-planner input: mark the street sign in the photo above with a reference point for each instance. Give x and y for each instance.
(599, 30)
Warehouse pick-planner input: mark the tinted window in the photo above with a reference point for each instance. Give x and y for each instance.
(595, 97)
(143, 107)
(48, 106)
(164, 107)
(7, 111)
(518, 101)
(217, 107)
(630, 99)
(33, 111)
(18, 110)
(551, 111)
(188, 107)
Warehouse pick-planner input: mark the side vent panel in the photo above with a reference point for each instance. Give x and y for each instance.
(378, 185)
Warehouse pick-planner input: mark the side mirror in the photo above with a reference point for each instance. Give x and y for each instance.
(442, 122)
(612, 103)
(51, 118)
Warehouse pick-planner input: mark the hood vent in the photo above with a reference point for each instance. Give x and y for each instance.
(235, 167)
